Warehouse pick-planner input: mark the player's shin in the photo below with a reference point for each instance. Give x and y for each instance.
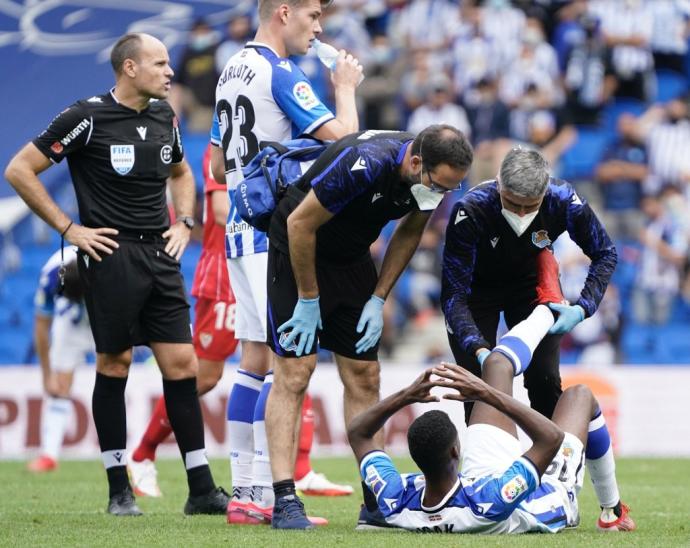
(262, 479)
(241, 403)
(520, 342)
(600, 462)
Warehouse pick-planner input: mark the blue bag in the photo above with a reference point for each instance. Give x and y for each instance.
(268, 176)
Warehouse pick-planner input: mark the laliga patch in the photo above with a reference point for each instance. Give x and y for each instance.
(122, 158)
(374, 480)
(541, 239)
(205, 339)
(514, 488)
(305, 95)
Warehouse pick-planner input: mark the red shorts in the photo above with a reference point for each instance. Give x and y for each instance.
(214, 329)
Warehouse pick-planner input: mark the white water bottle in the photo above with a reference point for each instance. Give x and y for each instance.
(328, 55)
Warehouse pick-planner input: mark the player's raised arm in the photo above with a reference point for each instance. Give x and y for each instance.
(546, 436)
(364, 426)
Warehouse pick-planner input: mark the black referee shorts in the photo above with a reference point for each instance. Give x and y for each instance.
(344, 290)
(136, 295)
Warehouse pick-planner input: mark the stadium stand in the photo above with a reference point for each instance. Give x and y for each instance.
(71, 61)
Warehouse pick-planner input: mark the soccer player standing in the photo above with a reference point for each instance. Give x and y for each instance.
(121, 148)
(62, 339)
(263, 96)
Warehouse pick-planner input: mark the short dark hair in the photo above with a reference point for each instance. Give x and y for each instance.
(127, 47)
(73, 288)
(429, 439)
(443, 144)
(267, 7)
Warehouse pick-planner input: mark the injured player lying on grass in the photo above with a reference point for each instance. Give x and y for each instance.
(498, 490)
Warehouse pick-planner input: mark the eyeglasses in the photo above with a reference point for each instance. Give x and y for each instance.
(435, 187)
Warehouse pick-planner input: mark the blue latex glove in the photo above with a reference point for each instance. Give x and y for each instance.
(372, 318)
(482, 356)
(306, 318)
(568, 317)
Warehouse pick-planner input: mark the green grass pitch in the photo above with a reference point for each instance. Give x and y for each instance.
(67, 508)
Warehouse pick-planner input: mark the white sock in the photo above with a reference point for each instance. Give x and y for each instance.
(56, 414)
(262, 478)
(520, 342)
(241, 402)
(601, 464)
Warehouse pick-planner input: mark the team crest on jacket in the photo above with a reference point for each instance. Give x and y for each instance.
(122, 158)
(541, 239)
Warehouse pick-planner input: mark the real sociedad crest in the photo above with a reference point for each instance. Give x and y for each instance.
(541, 239)
(122, 158)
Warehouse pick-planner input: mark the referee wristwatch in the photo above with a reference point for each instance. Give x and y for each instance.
(188, 221)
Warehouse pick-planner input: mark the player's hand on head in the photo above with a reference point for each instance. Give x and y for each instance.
(420, 390)
(468, 387)
(347, 71)
(93, 241)
(177, 237)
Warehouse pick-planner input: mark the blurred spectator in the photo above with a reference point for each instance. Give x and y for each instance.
(621, 174)
(379, 90)
(238, 32)
(626, 26)
(344, 29)
(568, 32)
(665, 130)
(414, 81)
(664, 251)
(194, 93)
(474, 57)
(427, 25)
(543, 133)
(438, 108)
(589, 82)
(502, 24)
(531, 82)
(670, 34)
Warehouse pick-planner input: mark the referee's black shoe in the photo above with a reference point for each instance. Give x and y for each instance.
(213, 502)
(124, 504)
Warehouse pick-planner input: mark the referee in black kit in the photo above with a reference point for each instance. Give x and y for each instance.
(121, 147)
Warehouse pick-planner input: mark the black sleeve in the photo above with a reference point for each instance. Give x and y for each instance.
(459, 256)
(68, 132)
(177, 150)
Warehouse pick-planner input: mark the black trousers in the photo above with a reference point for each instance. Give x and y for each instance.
(542, 378)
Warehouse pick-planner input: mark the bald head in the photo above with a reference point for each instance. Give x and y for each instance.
(130, 46)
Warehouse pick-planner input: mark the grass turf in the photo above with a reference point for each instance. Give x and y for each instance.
(67, 508)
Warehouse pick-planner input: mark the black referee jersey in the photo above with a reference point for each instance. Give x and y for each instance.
(119, 160)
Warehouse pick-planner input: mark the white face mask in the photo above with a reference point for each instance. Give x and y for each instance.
(517, 223)
(427, 199)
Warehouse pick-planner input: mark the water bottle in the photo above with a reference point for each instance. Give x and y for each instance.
(328, 55)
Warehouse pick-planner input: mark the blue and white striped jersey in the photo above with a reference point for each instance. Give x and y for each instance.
(497, 504)
(260, 97)
(47, 301)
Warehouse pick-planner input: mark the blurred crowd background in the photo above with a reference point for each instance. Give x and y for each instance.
(599, 86)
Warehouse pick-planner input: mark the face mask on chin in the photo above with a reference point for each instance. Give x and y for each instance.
(427, 199)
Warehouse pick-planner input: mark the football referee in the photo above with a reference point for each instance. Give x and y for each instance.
(121, 148)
